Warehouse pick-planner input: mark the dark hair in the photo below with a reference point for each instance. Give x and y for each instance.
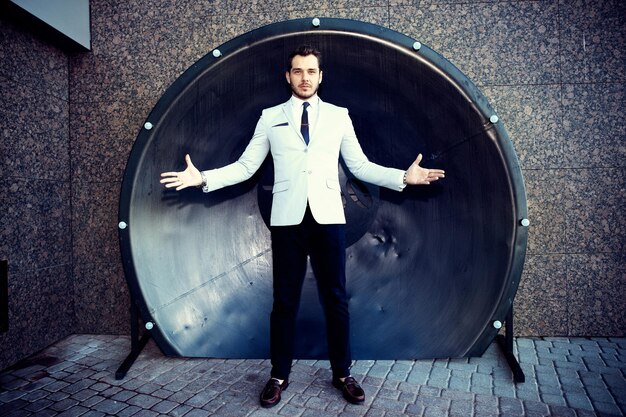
(305, 50)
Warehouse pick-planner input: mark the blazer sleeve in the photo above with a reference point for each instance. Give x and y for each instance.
(362, 167)
(247, 164)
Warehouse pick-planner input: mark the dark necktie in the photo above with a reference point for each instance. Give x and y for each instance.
(304, 125)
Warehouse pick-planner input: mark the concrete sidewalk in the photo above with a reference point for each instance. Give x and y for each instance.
(76, 377)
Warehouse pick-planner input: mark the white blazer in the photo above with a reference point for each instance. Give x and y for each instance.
(305, 173)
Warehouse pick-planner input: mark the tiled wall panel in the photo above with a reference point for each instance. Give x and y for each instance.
(553, 70)
(35, 201)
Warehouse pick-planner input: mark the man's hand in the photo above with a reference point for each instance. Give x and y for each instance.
(418, 175)
(190, 177)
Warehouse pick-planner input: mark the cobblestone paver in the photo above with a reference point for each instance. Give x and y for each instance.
(565, 377)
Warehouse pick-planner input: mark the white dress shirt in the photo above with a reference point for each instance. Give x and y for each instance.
(296, 107)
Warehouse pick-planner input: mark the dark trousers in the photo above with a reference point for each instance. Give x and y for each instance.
(325, 244)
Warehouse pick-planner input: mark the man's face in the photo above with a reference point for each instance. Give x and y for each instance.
(304, 76)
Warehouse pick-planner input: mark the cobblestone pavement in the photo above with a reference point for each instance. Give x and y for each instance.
(76, 376)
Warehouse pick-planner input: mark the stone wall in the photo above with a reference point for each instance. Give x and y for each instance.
(554, 71)
(35, 201)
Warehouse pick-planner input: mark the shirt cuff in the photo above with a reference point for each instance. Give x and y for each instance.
(402, 185)
(205, 183)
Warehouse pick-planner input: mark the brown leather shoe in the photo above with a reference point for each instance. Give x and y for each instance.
(352, 391)
(270, 396)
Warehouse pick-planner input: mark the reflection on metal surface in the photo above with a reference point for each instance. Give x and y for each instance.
(428, 269)
(210, 281)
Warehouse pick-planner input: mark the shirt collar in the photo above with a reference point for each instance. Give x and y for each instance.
(296, 102)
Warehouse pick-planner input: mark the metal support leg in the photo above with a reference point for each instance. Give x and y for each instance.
(506, 344)
(136, 344)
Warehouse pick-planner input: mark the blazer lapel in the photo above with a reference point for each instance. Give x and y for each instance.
(316, 125)
(289, 115)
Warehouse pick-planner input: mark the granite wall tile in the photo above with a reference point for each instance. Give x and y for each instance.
(597, 292)
(343, 4)
(540, 306)
(429, 2)
(405, 3)
(94, 222)
(593, 125)
(492, 43)
(115, 24)
(94, 79)
(162, 12)
(41, 311)
(101, 298)
(547, 200)
(136, 72)
(103, 134)
(254, 7)
(35, 133)
(593, 40)
(124, 68)
(31, 61)
(533, 118)
(595, 205)
(197, 25)
(35, 229)
(234, 25)
(576, 210)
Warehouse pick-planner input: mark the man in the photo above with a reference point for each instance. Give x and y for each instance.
(305, 136)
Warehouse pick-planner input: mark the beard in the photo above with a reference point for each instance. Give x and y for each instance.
(303, 95)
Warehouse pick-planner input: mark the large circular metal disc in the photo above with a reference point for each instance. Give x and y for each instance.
(429, 270)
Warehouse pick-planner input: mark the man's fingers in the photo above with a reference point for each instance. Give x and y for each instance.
(169, 179)
(169, 174)
(418, 159)
(176, 183)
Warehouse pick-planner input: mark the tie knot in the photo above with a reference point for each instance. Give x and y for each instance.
(306, 104)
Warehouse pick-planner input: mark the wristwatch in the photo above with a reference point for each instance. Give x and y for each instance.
(204, 181)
